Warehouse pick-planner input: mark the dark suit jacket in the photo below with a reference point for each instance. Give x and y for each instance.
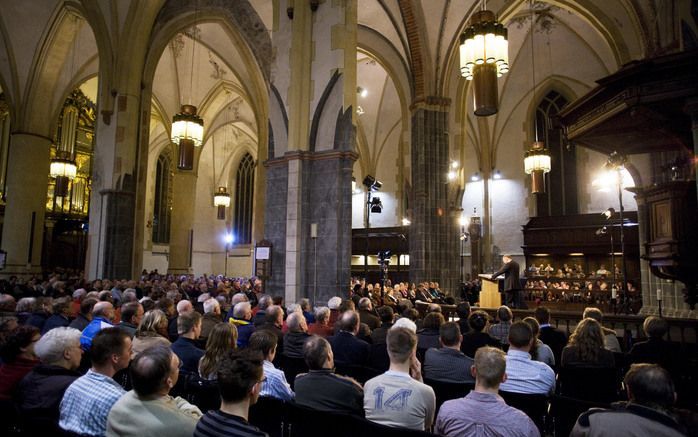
(348, 349)
(510, 271)
(554, 338)
(369, 319)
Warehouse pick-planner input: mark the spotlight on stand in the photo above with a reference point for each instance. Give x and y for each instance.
(371, 183)
(376, 205)
(608, 213)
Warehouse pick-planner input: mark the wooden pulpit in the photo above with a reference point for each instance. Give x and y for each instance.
(489, 295)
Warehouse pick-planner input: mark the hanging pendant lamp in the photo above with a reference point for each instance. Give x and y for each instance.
(63, 169)
(484, 56)
(188, 132)
(221, 200)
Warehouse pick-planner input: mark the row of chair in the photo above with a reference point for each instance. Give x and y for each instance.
(288, 419)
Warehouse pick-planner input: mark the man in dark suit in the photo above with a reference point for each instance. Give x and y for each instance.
(549, 335)
(512, 283)
(348, 349)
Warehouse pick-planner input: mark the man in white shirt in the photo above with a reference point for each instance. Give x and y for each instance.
(523, 374)
(399, 397)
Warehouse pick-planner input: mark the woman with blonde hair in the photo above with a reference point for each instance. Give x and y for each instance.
(222, 339)
(151, 331)
(586, 347)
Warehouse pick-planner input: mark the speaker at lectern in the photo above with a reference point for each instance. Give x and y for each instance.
(490, 297)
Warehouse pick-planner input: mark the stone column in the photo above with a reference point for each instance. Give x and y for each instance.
(181, 228)
(312, 143)
(27, 179)
(110, 242)
(433, 232)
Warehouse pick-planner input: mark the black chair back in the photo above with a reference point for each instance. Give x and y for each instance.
(534, 406)
(269, 415)
(592, 384)
(379, 359)
(360, 373)
(565, 411)
(445, 391)
(292, 367)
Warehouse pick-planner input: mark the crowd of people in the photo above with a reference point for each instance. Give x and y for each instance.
(102, 358)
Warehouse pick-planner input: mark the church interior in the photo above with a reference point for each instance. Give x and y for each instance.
(316, 144)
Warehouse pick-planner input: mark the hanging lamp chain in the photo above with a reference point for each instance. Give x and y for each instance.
(533, 66)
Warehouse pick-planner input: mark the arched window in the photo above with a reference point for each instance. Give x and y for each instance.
(560, 197)
(244, 190)
(162, 211)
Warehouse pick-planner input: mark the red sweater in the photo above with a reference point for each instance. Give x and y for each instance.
(12, 373)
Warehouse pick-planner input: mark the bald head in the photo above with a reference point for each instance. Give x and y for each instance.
(103, 309)
(184, 307)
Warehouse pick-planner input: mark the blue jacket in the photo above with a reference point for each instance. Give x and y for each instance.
(245, 330)
(96, 325)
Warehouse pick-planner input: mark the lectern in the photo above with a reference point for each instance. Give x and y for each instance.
(489, 295)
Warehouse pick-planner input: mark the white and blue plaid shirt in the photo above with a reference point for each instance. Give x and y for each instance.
(275, 385)
(87, 402)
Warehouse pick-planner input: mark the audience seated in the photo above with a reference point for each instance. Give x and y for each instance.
(586, 347)
(348, 349)
(84, 317)
(242, 314)
(240, 378)
(148, 410)
(338, 393)
(539, 351)
(477, 337)
(274, 321)
(131, 315)
(322, 325)
(296, 336)
(367, 315)
(609, 335)
(40, 392)
(523, 374)
(222, 339)
(307, 310)
(448, 363)
(88, 400)
(102, 317)
(500, 331)
(549, 335)
(62, 313)
(211, 318)
(188, 329)
(378, 335)
(275, 384)
(151, 331)
(428, 336)
(655, 350)
(399, 397)
(40, 313)
(483, 411)
(18, 357)
(263, 303)
(648, 411)
(463, 311)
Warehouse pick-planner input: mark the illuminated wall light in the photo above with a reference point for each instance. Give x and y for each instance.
(363, 92)
(406, 222)
(475, 177)
(497, 175)
(454, 165)
(451, 175)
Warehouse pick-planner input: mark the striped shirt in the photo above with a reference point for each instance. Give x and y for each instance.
(275, 385)
(217, 423)
(483, 415)
(87, 402)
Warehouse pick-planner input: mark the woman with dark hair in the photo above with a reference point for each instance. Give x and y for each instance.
(428, 336)
(222, 339)
(18, 357)
(586, 347)
(477, 336)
